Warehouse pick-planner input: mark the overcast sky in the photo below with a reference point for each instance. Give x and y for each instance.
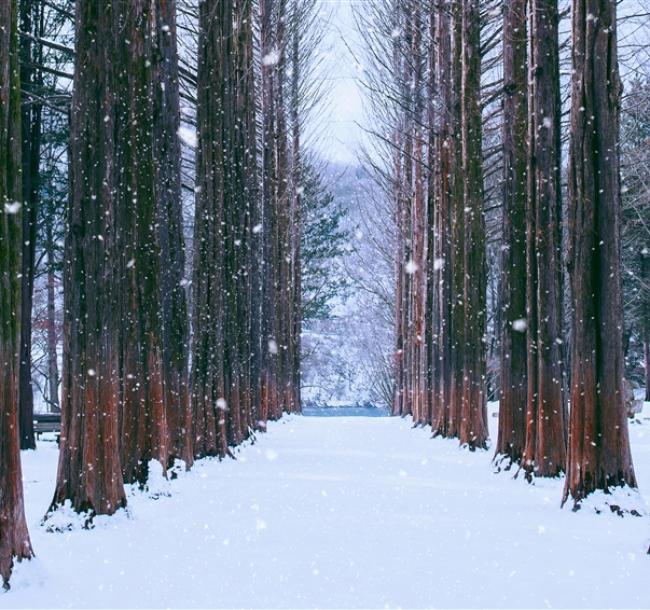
(342, 110)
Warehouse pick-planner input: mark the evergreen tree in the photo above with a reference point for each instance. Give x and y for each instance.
(323, 241)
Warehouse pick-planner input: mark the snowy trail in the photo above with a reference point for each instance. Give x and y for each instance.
(340, 512)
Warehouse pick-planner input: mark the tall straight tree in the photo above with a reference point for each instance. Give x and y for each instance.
(221, 390)
(444, 421)
(270, 398)
(89, 472)
(281, 27)
(31, 78)
(599, 450)
(456, 233)
(473, 414)
(283, 212)
(545, 449)
(149, 166)
(167, 184)
(419, 221)
(512, 406)
(297, 83)
(14, 537)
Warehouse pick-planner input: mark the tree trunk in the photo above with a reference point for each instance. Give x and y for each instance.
(645, 319)
(473, 417)
(421, 414)
(270, 401)
(512, 408)
(545, 450)
(167, 171)
(89, 473)
(52, 342)
(599, 449)
(30, 78)
(296, 212)
(221, 368)
(14, 537)
(443, 420)
(139, 123)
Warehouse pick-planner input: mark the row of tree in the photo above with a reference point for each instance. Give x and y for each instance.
(136, 384)
(451, 67)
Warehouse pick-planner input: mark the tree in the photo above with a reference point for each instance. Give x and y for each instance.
(167, 184)
(143, 120)
(512, 407)
(269, 362)
(545, 449)
(31, 25)
(221, 390)
(323, 240)
(473, 414)
(14, 537)
(599, 450)
(89, 473)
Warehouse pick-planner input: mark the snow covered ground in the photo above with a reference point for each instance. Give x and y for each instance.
(341, 512)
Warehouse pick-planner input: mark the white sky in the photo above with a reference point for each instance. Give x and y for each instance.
(339, 114)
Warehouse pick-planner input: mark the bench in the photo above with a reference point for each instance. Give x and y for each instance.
(47, 422)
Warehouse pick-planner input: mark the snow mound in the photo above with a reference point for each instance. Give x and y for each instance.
(158, 485)
(64, 518)
(618, 501)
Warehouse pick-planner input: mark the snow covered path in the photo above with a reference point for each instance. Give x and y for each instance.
(340, 512)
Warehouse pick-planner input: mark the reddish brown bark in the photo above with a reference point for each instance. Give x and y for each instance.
(143, 419)
(89, 473)
(451, 219)
(545, 450)
(270, 406)
(222, 343)
(412, 395)
(599, 450)
(14, 537)
(31, 81)
(419, 222)
(473, 415)
(444, 416)
(512, 407)
(167, 155)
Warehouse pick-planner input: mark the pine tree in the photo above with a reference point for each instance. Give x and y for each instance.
(323, 240)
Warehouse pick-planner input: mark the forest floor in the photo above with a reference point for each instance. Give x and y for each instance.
(341, 512)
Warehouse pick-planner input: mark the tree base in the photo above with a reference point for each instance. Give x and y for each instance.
(619, 501)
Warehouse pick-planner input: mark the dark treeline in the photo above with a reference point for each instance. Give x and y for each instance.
(509, 281)
(160, 362)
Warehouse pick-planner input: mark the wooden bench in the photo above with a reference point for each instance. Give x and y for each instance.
(47, 422)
